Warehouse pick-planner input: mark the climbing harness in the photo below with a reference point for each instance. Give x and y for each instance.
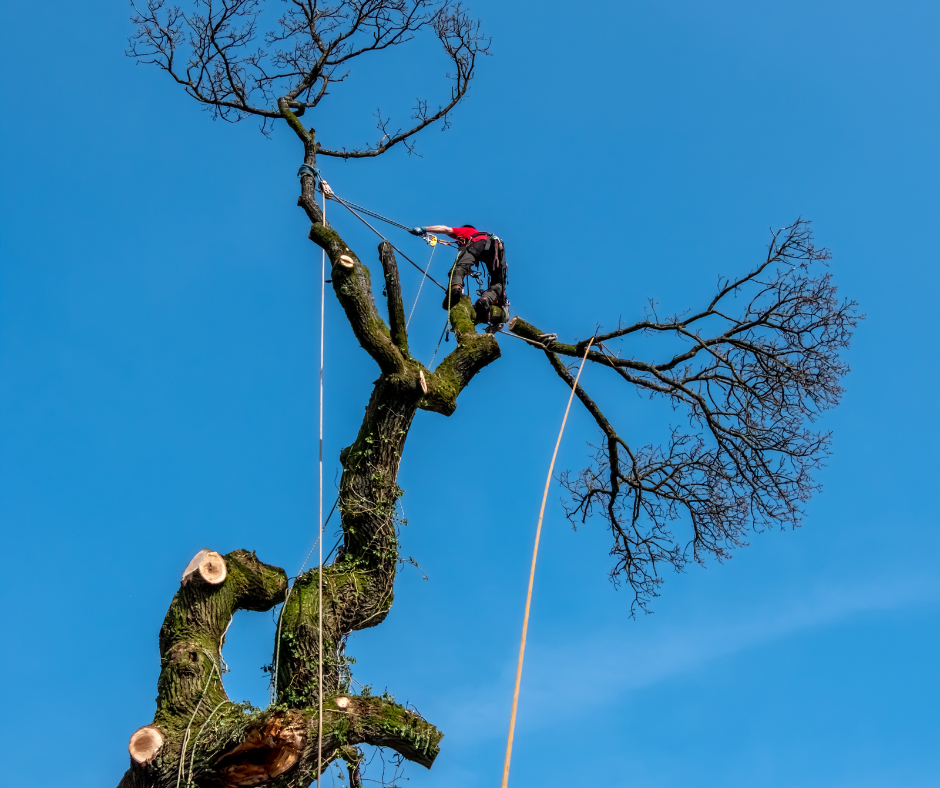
(535, 552)
(491, 258)
(498, 272)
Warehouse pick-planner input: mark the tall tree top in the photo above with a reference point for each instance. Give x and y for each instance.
(240, 59)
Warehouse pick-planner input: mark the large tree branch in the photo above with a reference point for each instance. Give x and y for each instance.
(396, 309)
(288, 743)
(194, 629)
(756, 367)
(474, 351)
(352, 283)
(213, 588)
(381, 723)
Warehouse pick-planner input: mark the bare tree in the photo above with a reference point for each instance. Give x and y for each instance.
(754, 369)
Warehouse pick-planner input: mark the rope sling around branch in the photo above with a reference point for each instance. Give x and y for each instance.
(535, 553)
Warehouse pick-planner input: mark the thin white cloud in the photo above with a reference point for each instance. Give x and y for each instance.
(626, 659)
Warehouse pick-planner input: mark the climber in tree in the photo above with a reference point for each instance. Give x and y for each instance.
(476, 246)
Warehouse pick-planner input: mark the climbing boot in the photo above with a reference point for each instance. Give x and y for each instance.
(482, 312)
(452, 298)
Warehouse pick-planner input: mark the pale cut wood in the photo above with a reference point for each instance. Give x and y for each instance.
(267, 752)
(145, 743)
(342, 703)
(346, 261)
(210, 566)
(424, 383)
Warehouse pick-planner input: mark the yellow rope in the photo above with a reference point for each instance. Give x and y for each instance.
(535, 552)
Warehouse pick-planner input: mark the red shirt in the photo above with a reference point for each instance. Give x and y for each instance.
(466, 235)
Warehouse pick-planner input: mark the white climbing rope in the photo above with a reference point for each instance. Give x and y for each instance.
(428, 268)
(182, 765)
(320, 511)
(192, 759)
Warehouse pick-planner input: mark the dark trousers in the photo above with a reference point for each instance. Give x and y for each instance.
(468, 258)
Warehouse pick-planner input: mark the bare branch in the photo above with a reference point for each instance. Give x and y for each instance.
(463, 41)
(215, 49)
(751, 372)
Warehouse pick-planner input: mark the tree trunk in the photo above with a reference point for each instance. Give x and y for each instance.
(198, 736)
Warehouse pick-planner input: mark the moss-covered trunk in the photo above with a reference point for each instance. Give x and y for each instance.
(358, 586)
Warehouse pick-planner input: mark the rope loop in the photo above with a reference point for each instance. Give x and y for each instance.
(306, 169)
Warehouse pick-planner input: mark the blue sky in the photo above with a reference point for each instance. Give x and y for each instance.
(158, 346)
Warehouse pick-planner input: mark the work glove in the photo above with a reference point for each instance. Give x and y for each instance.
(418, 231)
